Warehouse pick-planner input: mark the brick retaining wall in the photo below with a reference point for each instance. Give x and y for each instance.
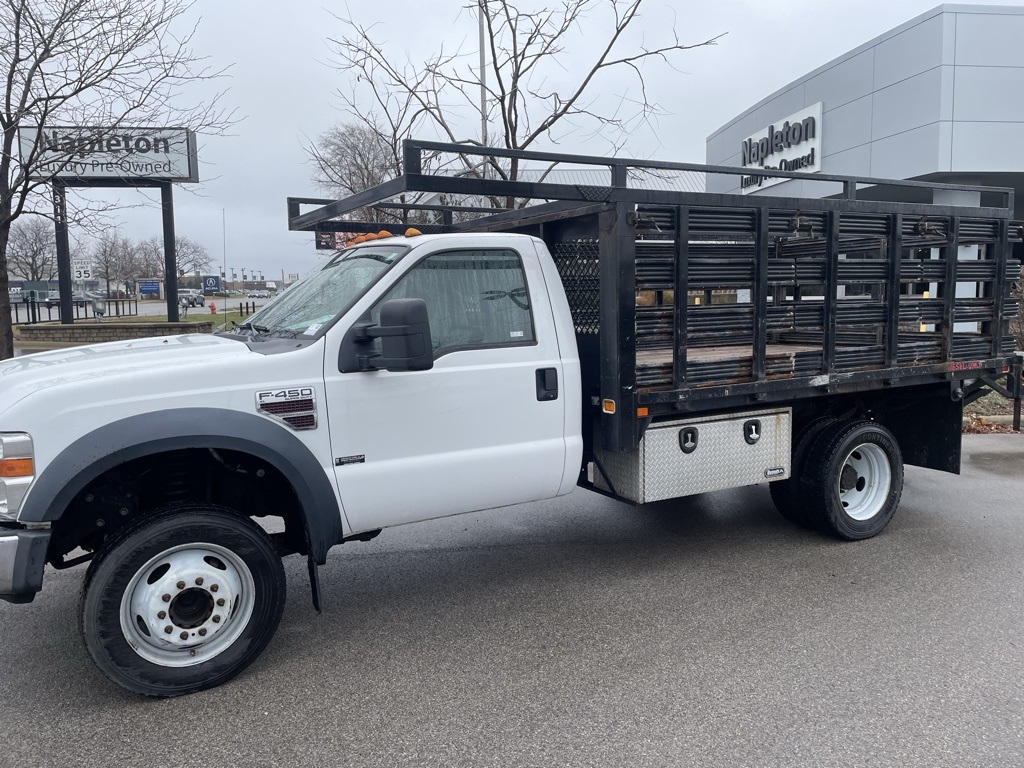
(95, 332)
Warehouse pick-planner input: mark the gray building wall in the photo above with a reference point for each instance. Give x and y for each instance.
(940, 97)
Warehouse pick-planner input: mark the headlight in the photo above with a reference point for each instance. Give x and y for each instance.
(17, 471)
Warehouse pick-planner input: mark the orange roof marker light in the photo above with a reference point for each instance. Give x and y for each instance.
(369, 236)
(360, 239)
(412, 232)
(384, 233)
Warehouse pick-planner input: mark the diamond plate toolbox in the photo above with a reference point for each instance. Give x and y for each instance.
(709, 453)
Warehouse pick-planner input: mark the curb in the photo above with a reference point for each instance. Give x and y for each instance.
(1003, 418)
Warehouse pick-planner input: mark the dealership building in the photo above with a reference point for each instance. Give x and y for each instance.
(939, 98)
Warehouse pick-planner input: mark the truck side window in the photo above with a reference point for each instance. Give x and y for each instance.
(474, 298)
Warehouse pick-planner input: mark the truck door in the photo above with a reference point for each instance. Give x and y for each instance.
(484, 427)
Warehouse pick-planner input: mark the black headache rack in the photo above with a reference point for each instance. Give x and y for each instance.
(691, 301)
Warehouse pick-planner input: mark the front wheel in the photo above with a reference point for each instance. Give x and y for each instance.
(182, 601)
(855, 479)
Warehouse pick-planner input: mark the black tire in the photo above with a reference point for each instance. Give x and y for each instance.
(788, 495)
(232, 616)
(855, 479)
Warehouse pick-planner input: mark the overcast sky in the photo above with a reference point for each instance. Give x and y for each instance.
(283, 85)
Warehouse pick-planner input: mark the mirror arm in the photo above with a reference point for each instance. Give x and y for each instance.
(368, 331)
(376, 331)
(366, 362)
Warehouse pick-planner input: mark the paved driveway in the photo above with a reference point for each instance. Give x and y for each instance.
(583, 632)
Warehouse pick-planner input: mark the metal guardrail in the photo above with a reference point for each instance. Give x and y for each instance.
(32, 312)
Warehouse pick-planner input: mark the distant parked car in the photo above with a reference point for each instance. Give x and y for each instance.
(194, 296)
(53, 299)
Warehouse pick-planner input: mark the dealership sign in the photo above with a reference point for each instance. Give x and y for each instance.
(125, 154)
(791, 144)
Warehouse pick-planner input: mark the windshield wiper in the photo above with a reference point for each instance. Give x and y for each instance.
(254, 330)
(287, 333)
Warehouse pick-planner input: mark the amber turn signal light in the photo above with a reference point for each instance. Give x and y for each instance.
(16, 468)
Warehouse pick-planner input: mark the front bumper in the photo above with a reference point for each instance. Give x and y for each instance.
(22, 559)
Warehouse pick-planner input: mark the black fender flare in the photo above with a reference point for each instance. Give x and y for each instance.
(136, 436)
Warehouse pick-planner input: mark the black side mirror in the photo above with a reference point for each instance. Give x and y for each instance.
(404, 331)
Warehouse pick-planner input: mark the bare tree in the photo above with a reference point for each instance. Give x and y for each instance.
(190, 257)
(526, 54)
(88, 63)
(116, 260)
(351, 158)
(356, 156)
(31, 250)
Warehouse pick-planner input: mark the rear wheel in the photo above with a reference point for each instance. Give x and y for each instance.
(855, 479)
(788, 495)
(182, 601)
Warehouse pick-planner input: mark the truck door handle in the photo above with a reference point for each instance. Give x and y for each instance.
(547, 384)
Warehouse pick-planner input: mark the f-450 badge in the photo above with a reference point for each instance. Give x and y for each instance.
(295, 407)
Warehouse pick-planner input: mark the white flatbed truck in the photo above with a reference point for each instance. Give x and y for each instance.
(497, 359)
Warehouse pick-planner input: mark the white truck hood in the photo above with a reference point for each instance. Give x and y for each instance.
(22, 376)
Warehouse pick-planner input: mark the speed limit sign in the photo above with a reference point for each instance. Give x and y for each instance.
(81, 270)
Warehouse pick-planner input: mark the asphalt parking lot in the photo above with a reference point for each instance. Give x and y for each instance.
(583, 632)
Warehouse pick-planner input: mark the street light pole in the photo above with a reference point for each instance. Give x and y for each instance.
(483, 76)
(483, 84)
(224, 256)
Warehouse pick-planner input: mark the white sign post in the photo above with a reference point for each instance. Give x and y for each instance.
(113, 156)
(124, 154)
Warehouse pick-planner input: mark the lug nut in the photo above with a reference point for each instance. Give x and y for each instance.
(202, 632)
(216, 619)
(162, 615)
(199, 581)
(89, 497)
(180, 585)
(220, 601)
(214, 587)
(100, 523)
(183, 635)
(166, 598)
(168, 629)
(123, 511)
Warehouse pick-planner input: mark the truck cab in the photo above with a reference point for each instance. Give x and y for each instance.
(493, 411)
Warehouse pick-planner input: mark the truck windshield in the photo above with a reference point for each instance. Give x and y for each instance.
(316, 300)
